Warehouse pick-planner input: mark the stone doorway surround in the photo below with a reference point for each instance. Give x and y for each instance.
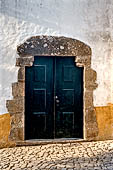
(52, 46)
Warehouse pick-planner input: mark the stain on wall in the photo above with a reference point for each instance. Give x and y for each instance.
(104, 117)
(4, 131)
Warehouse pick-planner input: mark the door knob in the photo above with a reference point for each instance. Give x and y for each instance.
(57, 101)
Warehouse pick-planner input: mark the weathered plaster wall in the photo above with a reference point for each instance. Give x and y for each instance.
(105, 122)
(87, 20)
(5, 130)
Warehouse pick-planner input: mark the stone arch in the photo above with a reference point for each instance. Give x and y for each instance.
(52, 46)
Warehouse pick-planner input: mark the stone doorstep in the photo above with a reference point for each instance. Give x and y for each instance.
(35, 142)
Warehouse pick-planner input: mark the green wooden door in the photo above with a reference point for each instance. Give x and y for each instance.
(69, 99)
(53, 99)
(39, 99)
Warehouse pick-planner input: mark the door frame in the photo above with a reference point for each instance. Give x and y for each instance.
(52, 46)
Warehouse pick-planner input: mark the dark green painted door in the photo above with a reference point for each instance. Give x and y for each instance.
(54, 99)
(69, 87)
(39, 99)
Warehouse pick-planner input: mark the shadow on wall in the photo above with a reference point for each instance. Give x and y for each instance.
(43, 14)
(55, 13)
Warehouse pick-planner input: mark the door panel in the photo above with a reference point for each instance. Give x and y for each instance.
(69, 85)
(54, 98)
(39, 99)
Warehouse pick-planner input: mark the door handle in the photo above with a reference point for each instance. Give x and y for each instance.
(57, 101)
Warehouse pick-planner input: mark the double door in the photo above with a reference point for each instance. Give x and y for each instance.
(53, 98)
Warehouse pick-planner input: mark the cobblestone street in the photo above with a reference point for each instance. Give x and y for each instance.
(80, 155)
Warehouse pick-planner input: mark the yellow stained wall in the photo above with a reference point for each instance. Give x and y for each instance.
(5, 130)
(104, 117)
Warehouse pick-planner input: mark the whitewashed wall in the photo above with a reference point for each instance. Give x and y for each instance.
(90, 21)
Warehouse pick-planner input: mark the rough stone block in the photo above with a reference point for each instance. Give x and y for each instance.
(90, 75)
(90, 115)
(90, 85)
(21, 74)
(88, 99)
(91, 130)
(18, 89)
(83, 60)
(16, 134)
(24, 61)
(16, 105)
(17, 120)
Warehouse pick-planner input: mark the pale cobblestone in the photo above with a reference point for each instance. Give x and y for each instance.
(70, 156)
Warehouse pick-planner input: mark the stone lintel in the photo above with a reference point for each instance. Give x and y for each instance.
(51, 45)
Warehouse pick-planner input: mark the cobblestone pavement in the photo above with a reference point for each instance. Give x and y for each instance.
(80, 155)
